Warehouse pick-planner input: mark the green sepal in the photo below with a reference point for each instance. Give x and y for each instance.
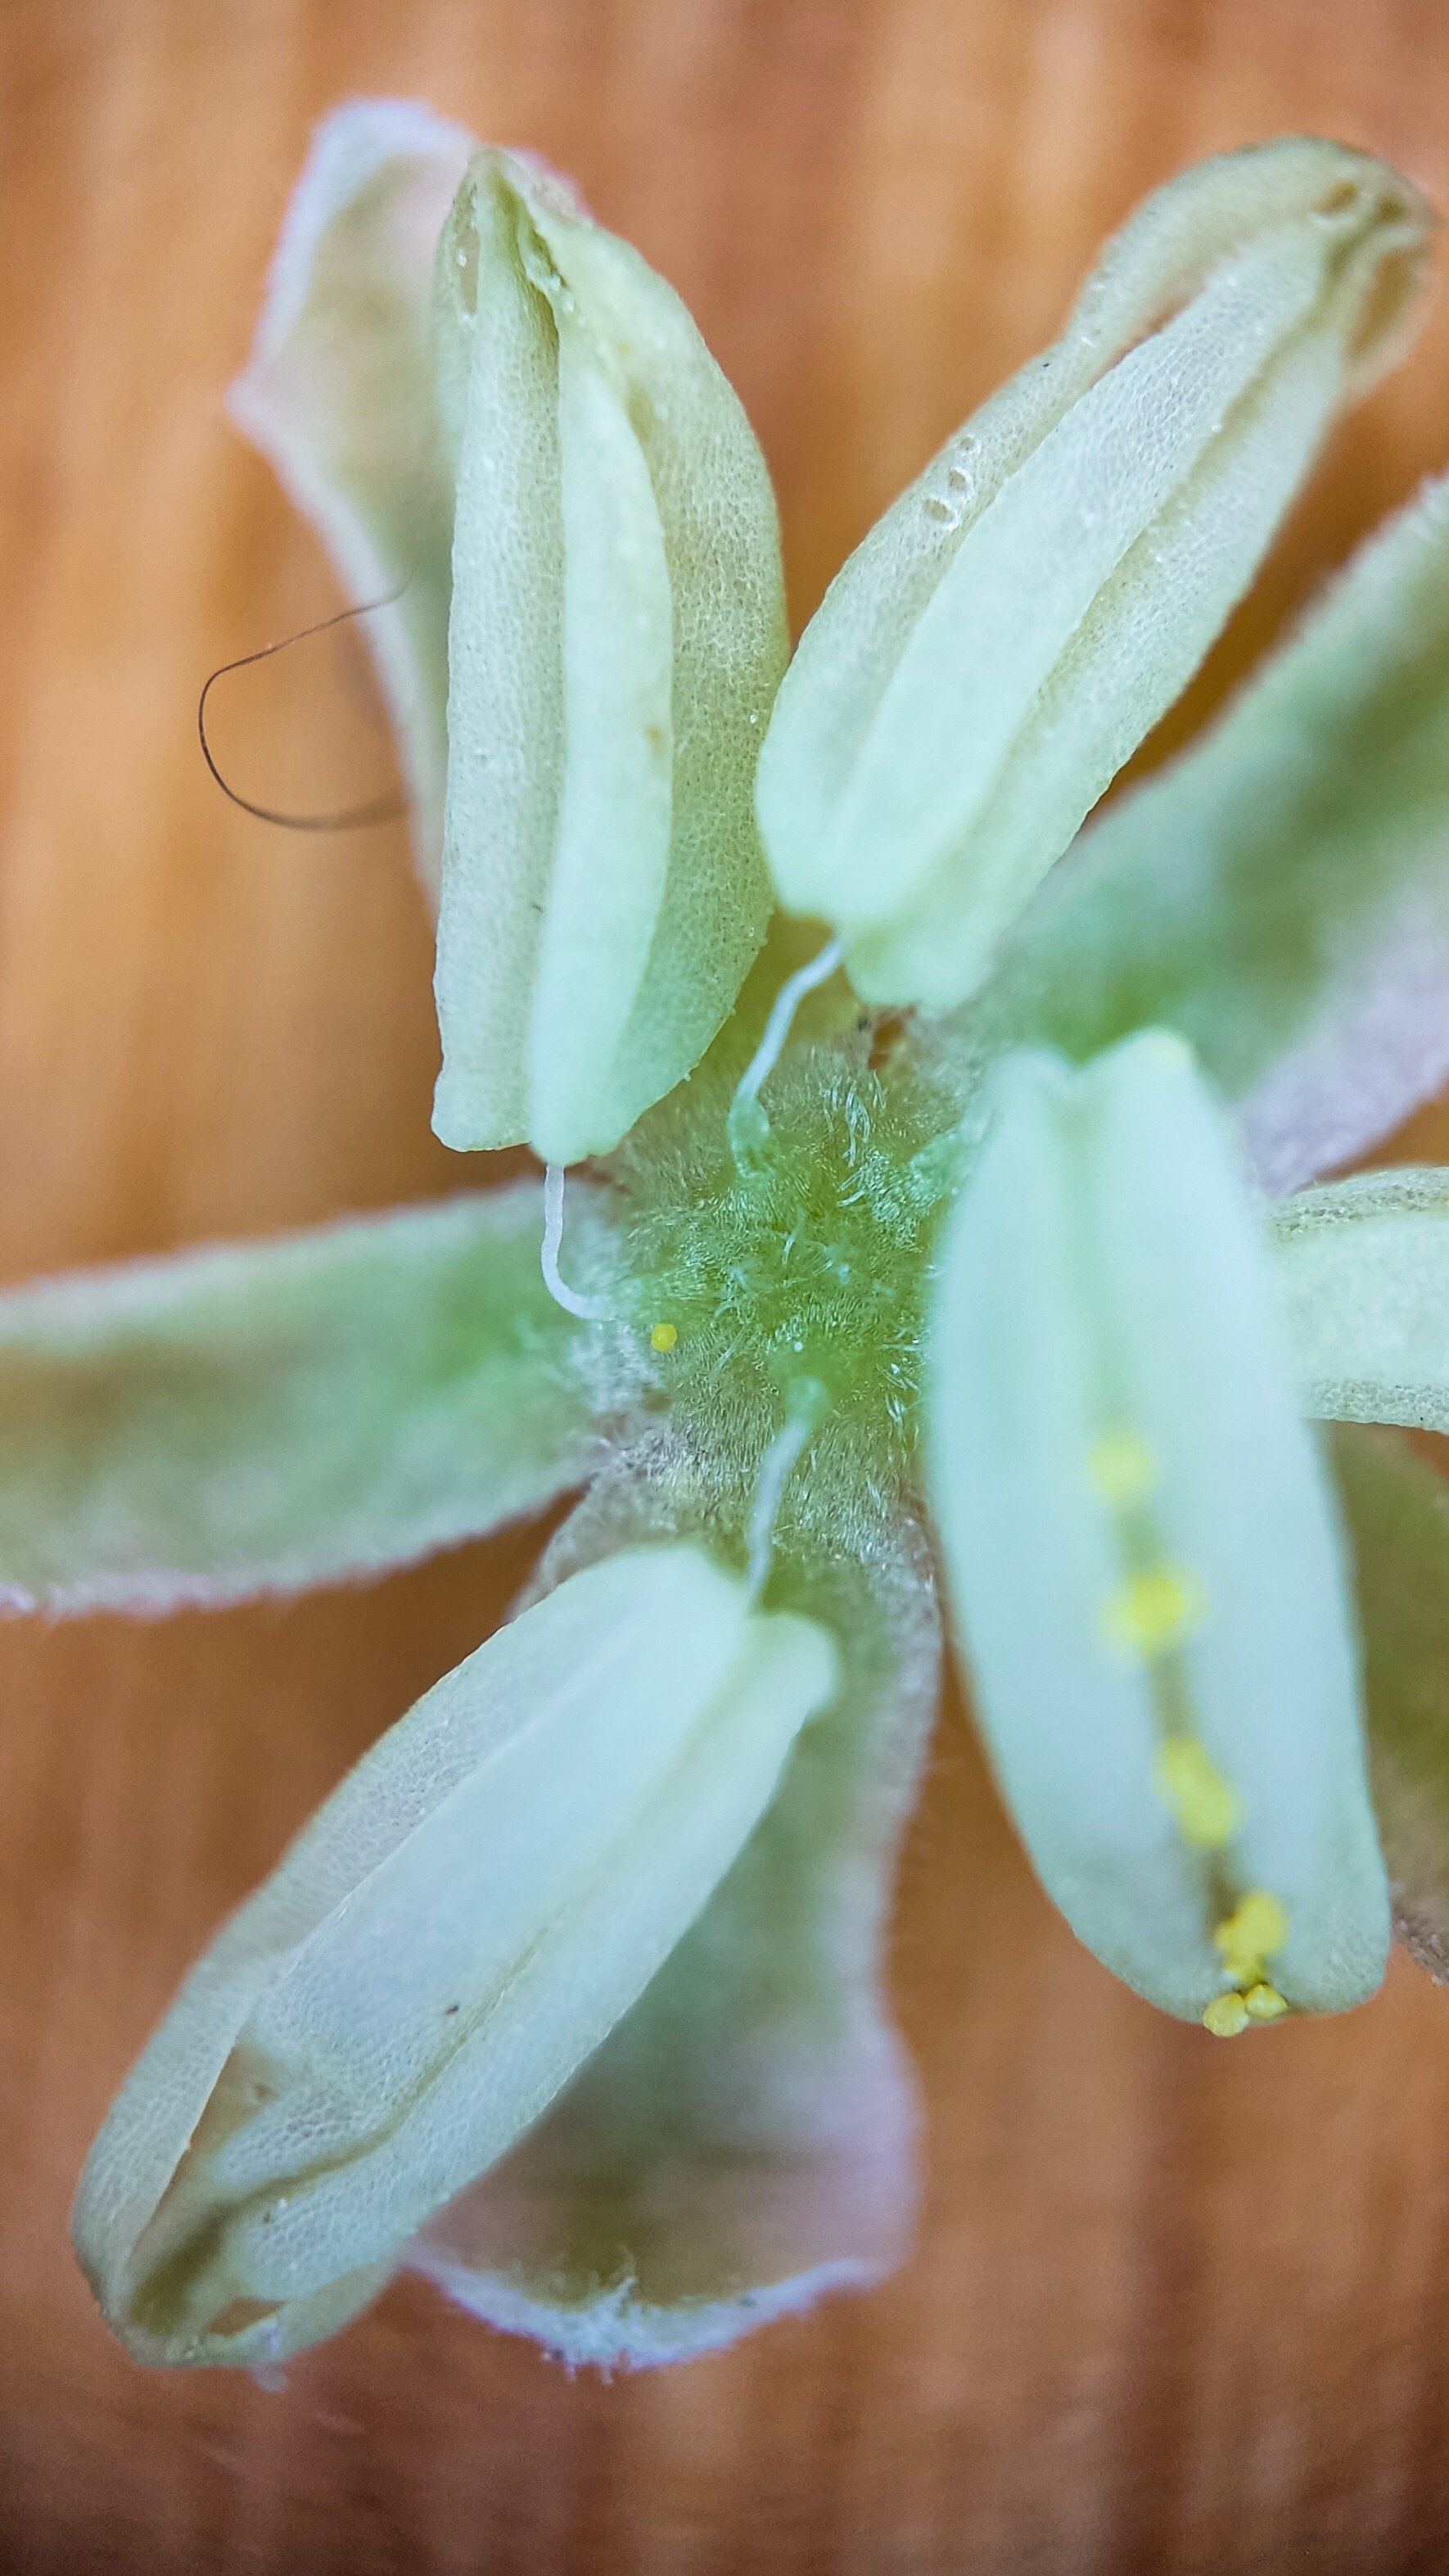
(260, 1417)
(1364, 1266)
(1280, 892)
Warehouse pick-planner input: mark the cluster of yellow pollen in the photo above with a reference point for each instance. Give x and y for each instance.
(1147, 1617)
(664, 1337)
(1257, 1926)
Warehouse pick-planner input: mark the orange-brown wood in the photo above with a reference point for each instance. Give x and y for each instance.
(1175, 2307)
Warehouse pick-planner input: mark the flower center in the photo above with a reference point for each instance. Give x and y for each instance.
(774, 1260)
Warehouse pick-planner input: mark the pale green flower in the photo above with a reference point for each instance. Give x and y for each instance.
(570, 1995)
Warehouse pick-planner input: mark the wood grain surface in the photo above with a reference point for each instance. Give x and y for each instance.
(1175, 2307)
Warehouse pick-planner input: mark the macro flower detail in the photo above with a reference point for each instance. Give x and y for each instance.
(1023, 614)
(946, 1213)
(456, 1930)
(1144, 1547)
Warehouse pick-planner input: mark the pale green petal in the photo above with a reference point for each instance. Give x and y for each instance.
(256, 1417)
(1141, 1540)
(1397, 1510)
(745, 2140)
(1280, 894)
(1021, 617)
(340, 395)
(618, 633)
(454, 1933)
(1365, 1271)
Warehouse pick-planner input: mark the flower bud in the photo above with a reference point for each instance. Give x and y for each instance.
(1013, 626)
(616, 639)
(1143, 1550)
(457, 1929)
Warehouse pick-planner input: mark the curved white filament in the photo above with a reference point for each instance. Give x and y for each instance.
(592, 1309)
(777, 1027)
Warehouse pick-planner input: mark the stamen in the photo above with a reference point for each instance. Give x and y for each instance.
(592, 1309)
(1226, 2016)
(806, 1403)
(664, 1337)
(748, 1127)
(1265, 2003)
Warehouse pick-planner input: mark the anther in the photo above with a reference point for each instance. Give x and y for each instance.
(1265, 2003)
(1226, 2015)
(664, 1337)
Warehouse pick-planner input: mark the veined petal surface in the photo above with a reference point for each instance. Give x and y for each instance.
(458, 1928)
(617, 636)
(745, 2141)
(1142, 1545)
(1280, 892)
(1020, 618)
(1365, 1271)
(340, 395)
(257, 1417)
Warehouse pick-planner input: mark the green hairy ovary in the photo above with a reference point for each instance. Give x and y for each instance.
(795, 1282)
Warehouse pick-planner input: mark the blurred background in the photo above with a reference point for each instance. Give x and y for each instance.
(1175, 2307)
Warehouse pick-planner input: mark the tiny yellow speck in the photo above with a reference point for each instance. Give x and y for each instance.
(1121, 1467)
(664, 1336)
(1206, 1808)
(1265, 2003)
(1226, 2015)
(1151, 1613)
(1166, 1047)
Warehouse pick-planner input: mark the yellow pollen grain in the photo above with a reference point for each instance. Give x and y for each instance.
(664, 1336)
(1226, 2015)
(1265, 2003)
(1205, 1807)
(1121, 1468)
(1153, 1612)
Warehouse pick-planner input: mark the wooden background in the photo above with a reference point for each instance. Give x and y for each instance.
(1176, 2307)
